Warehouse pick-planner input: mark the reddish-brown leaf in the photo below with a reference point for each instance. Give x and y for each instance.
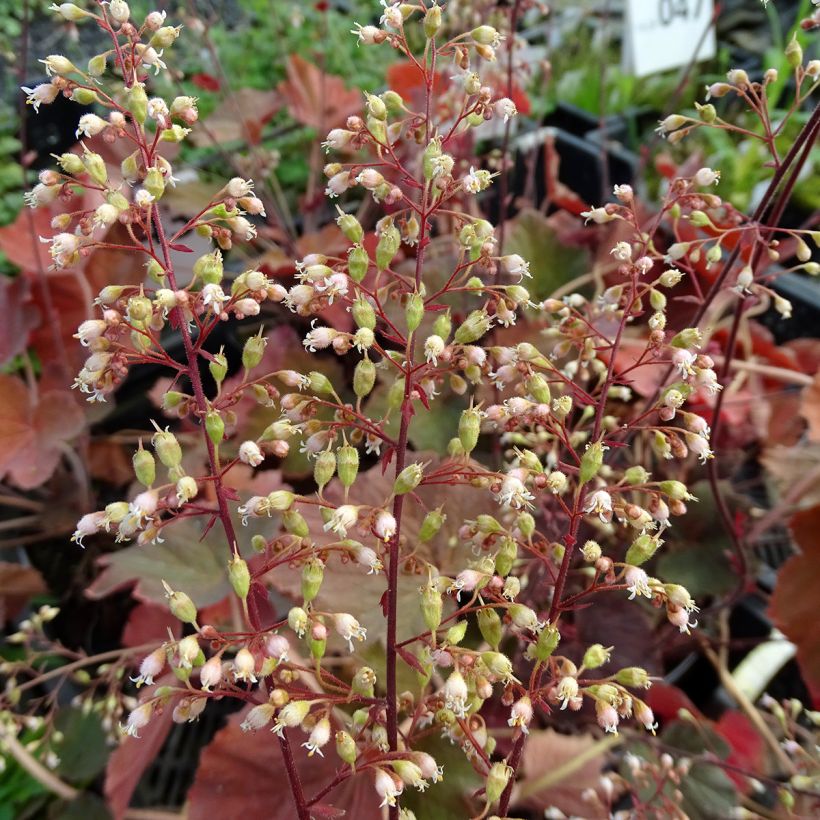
(127, 764)
(810, 407)
(17, 584)
(793, 606)
(317, 99)
(149, 622)
(242, 775)
(547, 751)
(746, 743)
(240, 116)
(32, 431)
(19, 316)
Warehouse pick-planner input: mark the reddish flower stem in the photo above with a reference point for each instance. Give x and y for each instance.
(293, 778)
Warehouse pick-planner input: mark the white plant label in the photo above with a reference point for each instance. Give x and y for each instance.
(664, 34)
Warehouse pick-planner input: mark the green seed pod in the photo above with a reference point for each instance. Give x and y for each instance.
(486, 35)
(473, 327)
(546, 643)
(253, 351)
(154, 270)
(346, 747)
(181, 606)
(395, 395)
(689, 337)
(506, 556)
(676, 490)
(176, 133)
(358, 262)
(414, 311)
(154, 183)
(431, 155)
(538, 387)
(350, 227)
(636, 475)
(214, 426)
(129, 167)
(294, 522)
(431, 606)
(489, 624)
(455, 634)
(94, 164)
(387, 247)
(469, 427)
(84, 96)
(96, 65)
(145, 468)
(363, 313)
(455, 449)
(347, 464)
(259, 543)
(443, 325)
(408, 479)
(218, 367)
(526, 524)
(500, 665)
(167, 448)
(313, 572)
(364, 377)
(137, 102)
(642, 549)
(707, 113)
(499, 775)
(71, 163)
(375, 106)
(431, 524)
(794, 53)
(487, 525)
(393, 101)
(319, 383)
(317, 647)
(596, 656)
(591, 462)
(633, 676)
(324, 468)
(240, 577)
(209, 269)
(432, 21)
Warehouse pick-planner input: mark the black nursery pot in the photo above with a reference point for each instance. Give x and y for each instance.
(52, 129)
(586, 168)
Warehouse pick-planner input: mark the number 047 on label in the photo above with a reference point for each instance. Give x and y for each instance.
(664, 34)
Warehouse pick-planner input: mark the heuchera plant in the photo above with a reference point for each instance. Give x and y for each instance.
(582, 450)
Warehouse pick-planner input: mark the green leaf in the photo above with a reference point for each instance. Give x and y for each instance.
(185, 560)
(707, 792)
(449, 797)
(694, 554)
(552, 263)
(86, 806)
(84, 751)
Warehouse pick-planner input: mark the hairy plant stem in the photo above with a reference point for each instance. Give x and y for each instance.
(302, 811)
(570, 539)
(401, 456)
(192, 370)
